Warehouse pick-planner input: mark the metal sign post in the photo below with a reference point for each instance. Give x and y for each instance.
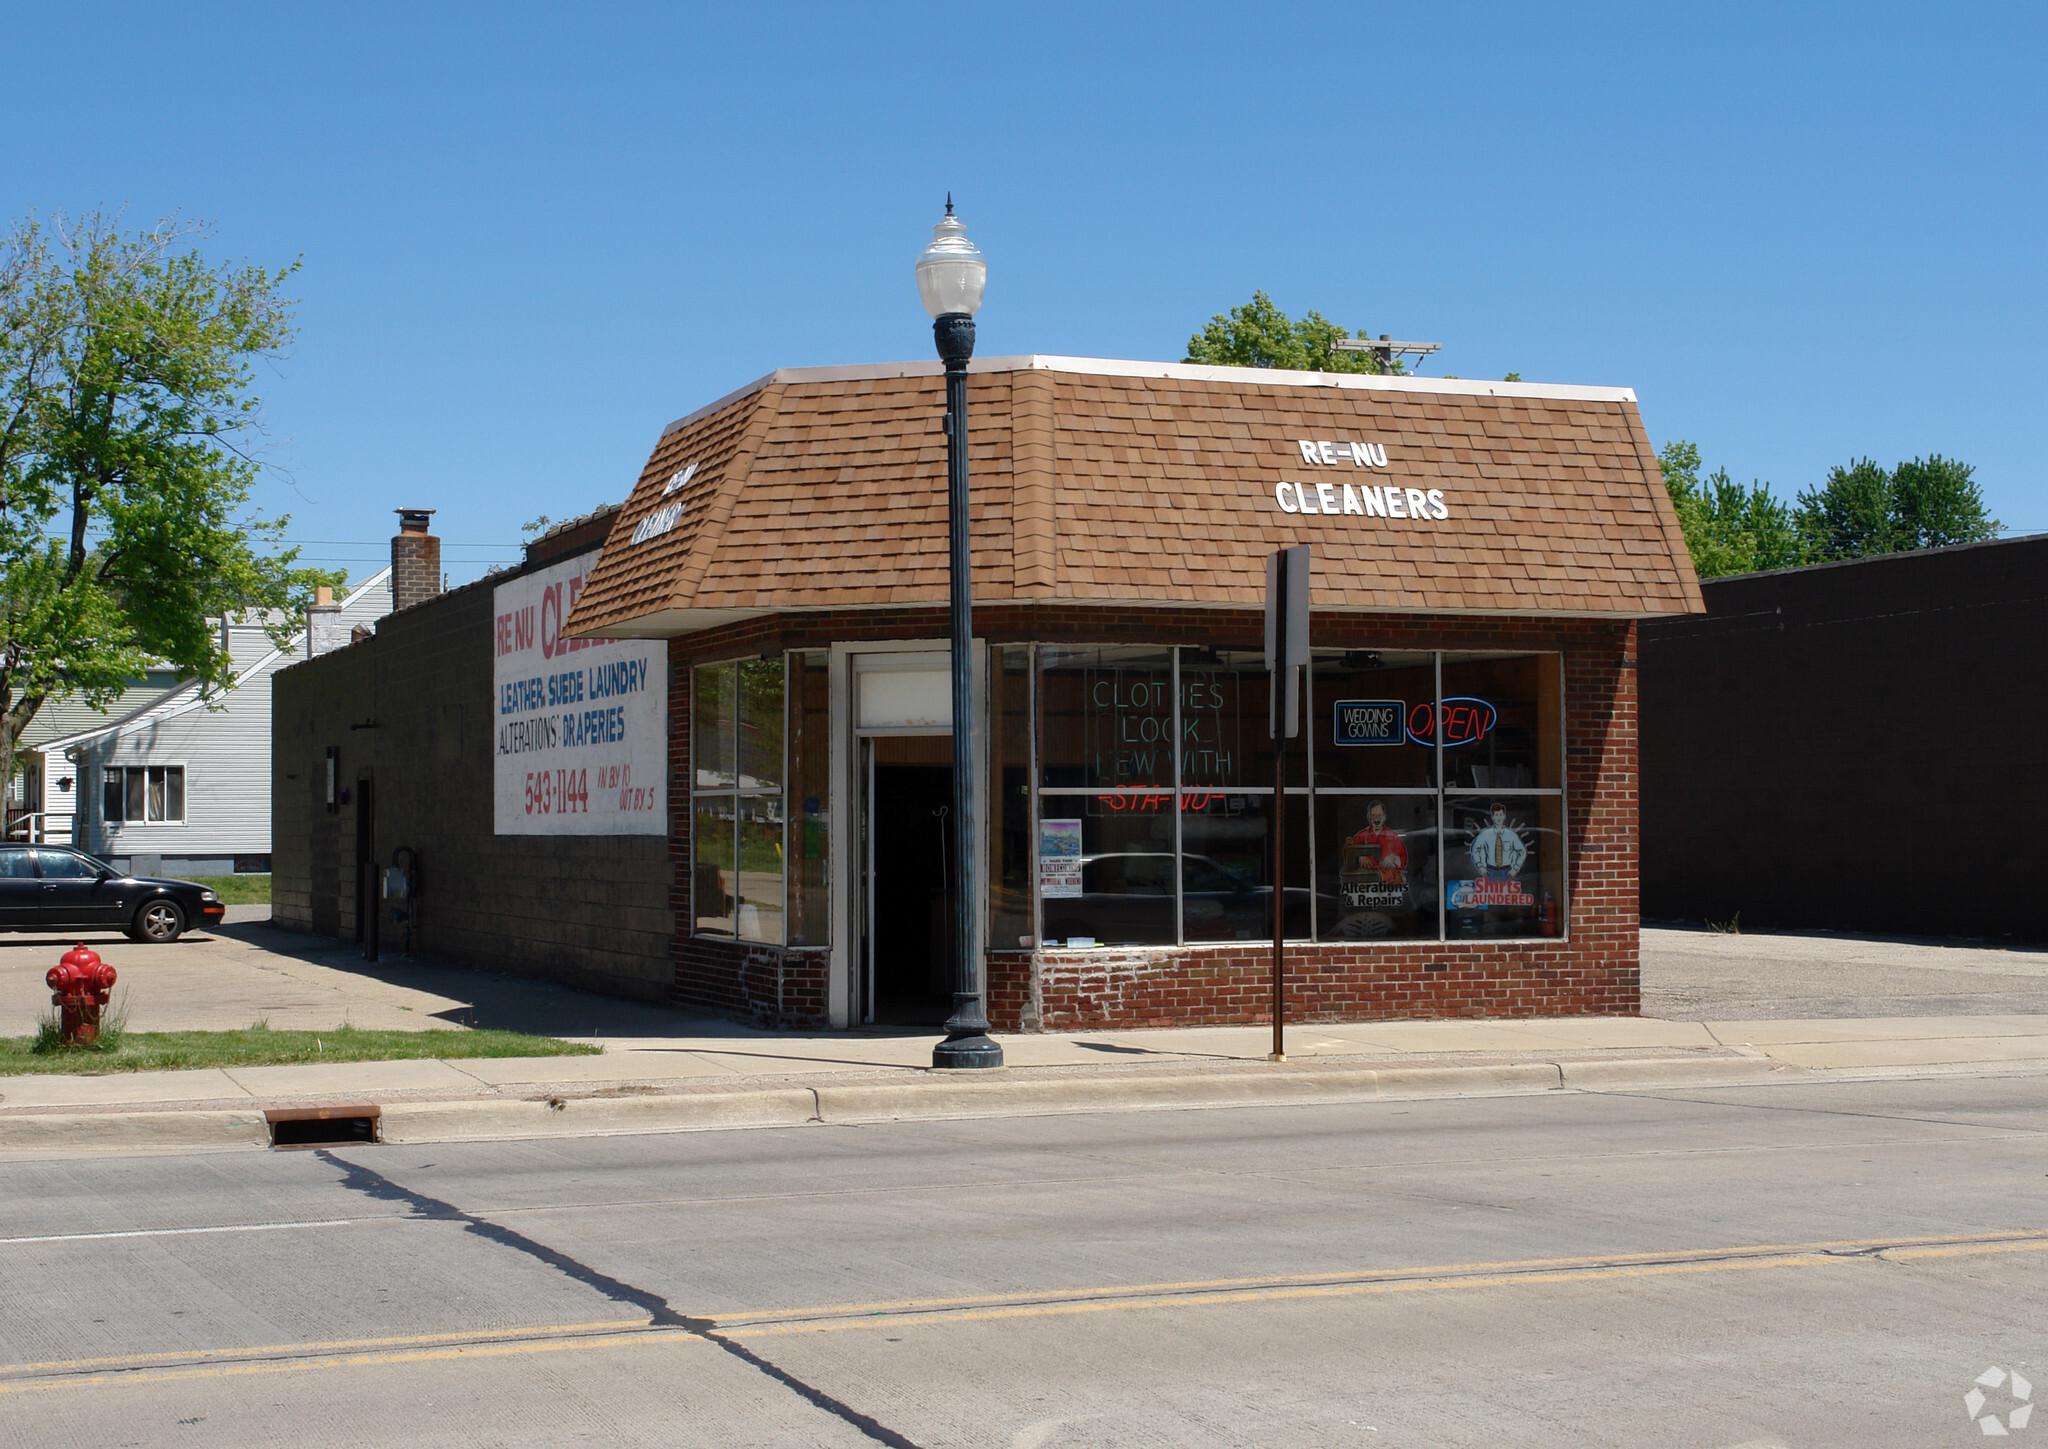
(1287, 575)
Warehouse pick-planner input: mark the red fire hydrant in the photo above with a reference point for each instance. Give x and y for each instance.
(80, 984)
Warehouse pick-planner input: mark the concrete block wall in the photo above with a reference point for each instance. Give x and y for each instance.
(1594, 971)
(1854, 746)
(411, 709)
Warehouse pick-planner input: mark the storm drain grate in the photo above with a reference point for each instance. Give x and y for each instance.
(322, 1126)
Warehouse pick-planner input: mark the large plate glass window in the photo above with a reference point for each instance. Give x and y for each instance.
(1503, 795)
(737, 800)
(1009, 833)
(810, 797)
(1107, 844)
(1504, 864)
(1426, 801)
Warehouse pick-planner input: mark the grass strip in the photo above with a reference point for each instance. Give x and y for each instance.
(259, 1046)
(237, 890)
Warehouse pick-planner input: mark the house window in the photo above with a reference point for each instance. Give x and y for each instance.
(736, 800)
(134, 794)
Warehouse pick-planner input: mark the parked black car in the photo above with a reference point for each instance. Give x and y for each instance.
(52, 887)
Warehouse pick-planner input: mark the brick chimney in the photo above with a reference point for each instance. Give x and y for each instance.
(323, 624)
(415, 560)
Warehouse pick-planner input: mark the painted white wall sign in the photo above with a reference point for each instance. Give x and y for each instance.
(579, 726)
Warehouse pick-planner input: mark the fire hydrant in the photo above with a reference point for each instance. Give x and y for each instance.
(80, 984)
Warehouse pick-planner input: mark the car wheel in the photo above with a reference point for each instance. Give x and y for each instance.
(159, 922)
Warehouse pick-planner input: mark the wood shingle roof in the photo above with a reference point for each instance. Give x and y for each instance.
(1107, 482)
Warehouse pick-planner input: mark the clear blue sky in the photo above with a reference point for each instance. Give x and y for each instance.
(532, 236)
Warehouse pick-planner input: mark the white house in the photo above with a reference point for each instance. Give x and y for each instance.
(179, 785)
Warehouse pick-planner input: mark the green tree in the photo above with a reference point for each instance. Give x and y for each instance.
(1923, 503)
(1728, 529)
(127, 418)
(1259, 334)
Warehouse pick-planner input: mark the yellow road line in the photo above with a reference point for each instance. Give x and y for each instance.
(353, 1360)
(1524, 1265)
(606, 1334)
(337, 1345)
(1350, 1290)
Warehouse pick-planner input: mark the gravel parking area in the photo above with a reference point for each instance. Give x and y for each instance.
(1697, 975)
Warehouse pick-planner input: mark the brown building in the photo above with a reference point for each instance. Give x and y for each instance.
(1461, 814)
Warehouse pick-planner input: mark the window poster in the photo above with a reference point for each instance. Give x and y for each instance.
(1499, 853)
(579, 727)
(1374, 874)
(1059, 858)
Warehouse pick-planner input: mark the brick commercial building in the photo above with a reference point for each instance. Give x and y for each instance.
(755, 739)
(1879, 717)
(382, 757)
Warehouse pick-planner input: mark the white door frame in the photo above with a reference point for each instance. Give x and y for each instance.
(849, 661)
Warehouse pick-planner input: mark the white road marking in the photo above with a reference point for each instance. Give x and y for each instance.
(186, 1232)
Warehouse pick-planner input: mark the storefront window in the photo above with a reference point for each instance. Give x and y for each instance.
(1106, 717)
(1499, 716)
(760, 723)
(1410, 752)
(760, 869)
(1366, 701)
(1376, 867)
(1225, 735)
(1009, 836)
(1505, 863)
(711, 708)
(1227, 864)
(1117, 885)
(810, 796)
(737, 811)
(712, 878)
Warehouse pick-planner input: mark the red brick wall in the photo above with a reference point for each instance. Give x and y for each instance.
(1592, 972)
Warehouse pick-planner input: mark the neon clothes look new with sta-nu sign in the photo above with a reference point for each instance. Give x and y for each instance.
(579, 727)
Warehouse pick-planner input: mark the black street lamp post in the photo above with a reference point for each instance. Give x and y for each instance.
(950, 278)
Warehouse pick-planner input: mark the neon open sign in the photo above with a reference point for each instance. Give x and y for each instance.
(1466, 721)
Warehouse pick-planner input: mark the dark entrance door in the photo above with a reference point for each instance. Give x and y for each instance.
(909, 814)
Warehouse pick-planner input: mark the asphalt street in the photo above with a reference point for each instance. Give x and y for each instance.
(1817, 1264)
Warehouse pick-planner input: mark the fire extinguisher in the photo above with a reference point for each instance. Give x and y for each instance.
(1548, 922)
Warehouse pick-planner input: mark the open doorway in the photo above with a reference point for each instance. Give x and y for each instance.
(908, 896)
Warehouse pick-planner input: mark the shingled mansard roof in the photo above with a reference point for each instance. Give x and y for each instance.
(1158, 483)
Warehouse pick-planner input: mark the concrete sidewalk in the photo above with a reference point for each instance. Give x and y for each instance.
(665, 1070)
(728, 1076)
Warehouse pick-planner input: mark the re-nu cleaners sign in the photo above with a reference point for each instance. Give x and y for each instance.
(579, 726)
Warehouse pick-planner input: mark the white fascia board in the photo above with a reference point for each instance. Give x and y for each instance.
(1272, 377)
(674, 623)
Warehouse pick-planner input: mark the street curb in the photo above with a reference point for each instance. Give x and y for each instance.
(475, 1121)
(1654, 1072)
(932, 1096)
(953, 1097)
(133, 1131)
